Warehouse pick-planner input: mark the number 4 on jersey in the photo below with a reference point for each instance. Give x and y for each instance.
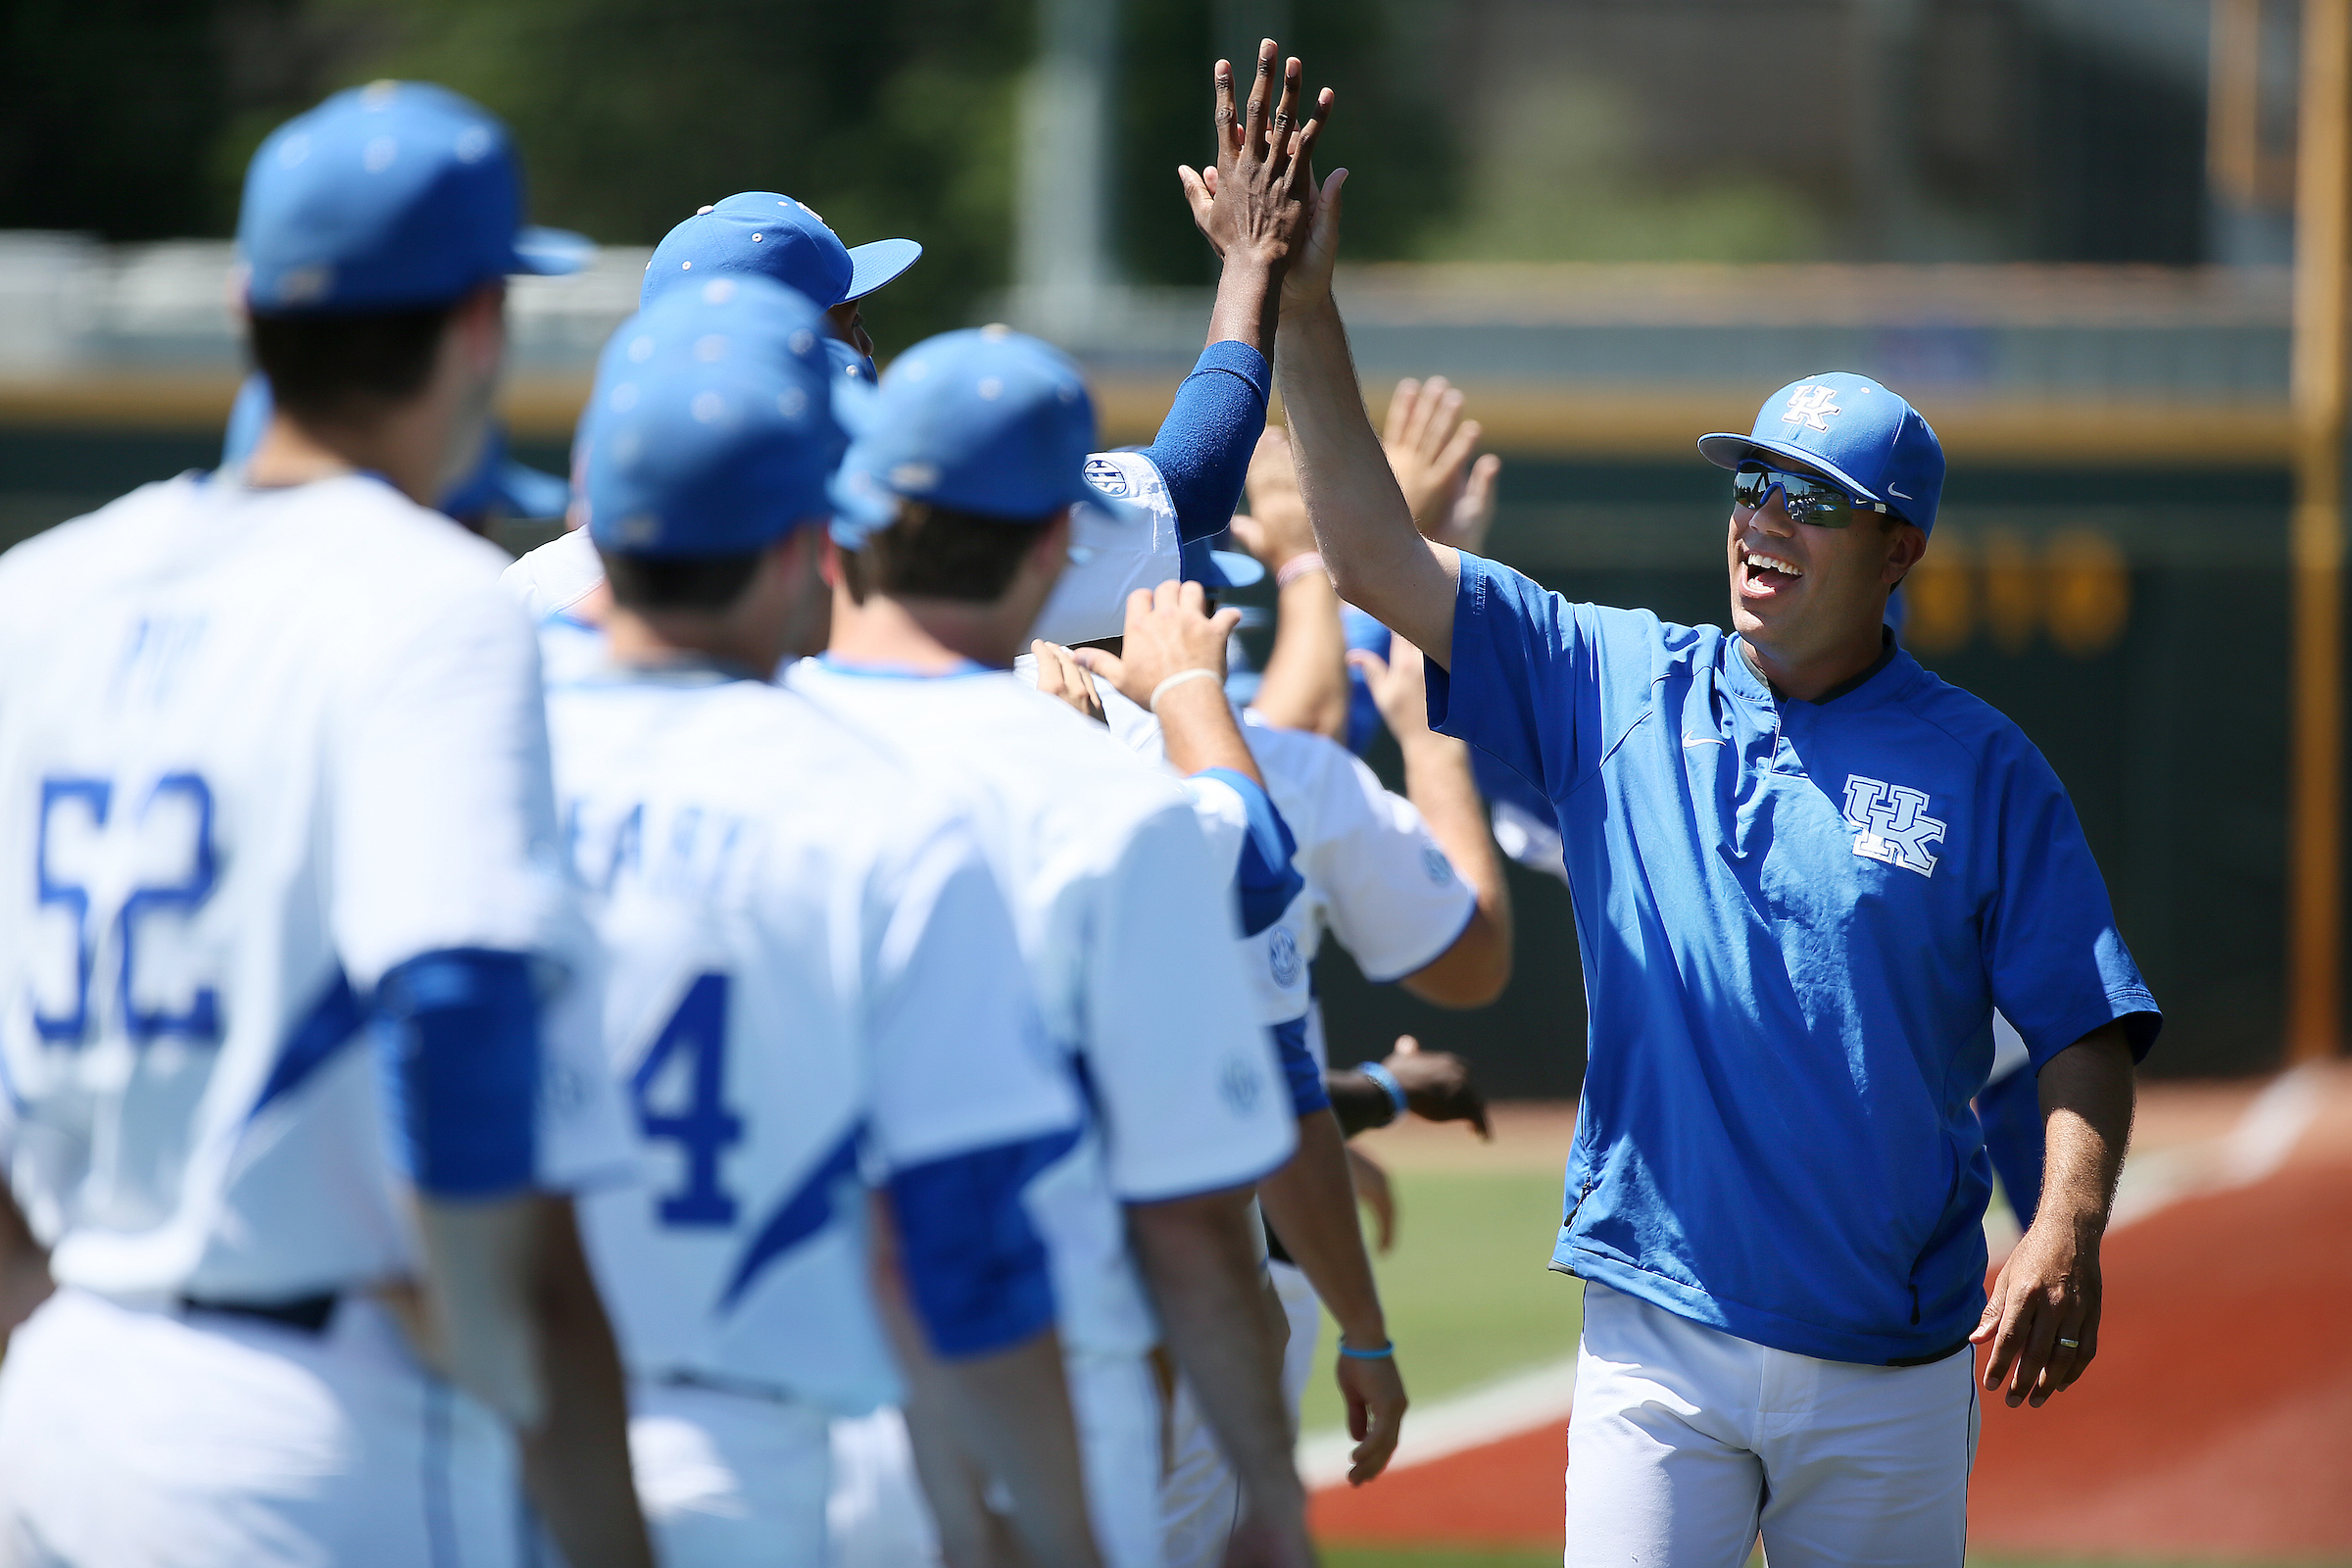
(697, 1033)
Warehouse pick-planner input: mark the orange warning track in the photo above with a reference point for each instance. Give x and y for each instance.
(2217, 1421)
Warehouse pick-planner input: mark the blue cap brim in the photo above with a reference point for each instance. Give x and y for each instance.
(1725, 450)
(873, 265)
(530, 493)
(1238, 569)
(551, 252)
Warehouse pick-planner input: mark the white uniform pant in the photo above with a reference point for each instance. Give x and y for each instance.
(1200, 1501)
(877, 1515)
(151, 1439)
(729, 1480)
(1686, 1441)
(1116, 1400)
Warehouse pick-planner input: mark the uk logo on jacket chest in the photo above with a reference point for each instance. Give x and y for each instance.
(1891, 823)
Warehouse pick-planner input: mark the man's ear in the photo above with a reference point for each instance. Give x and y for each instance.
(1904, 549)
(479, 324)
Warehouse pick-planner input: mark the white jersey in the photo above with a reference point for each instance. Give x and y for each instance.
(1127, 930)
(258, 749)
(1376, 876)
(812, 974)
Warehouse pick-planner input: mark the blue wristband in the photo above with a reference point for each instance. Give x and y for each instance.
(1388, 1083)
(1387, 1353)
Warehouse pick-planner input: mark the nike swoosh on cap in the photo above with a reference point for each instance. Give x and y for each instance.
(1892, 491)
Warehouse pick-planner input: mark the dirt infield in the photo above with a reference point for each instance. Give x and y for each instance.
(2215, 1424)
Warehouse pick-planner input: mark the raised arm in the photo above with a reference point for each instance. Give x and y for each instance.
(1253, 204)
(1306, 684)
(1363, 527)
(1438, 781)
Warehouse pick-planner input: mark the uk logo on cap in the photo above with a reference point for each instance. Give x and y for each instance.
(1848, 429)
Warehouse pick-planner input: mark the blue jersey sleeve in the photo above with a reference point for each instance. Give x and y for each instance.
(1204, 446)
(1300, 1070)
(974, 1264)
(1265, 880)
(456, 1037)
(1522, 682)
(1363, 713)
(2057, 965)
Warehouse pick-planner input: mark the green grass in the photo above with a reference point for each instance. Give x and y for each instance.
(1467, 1295)
(1436, 1557)
(1473, 1557)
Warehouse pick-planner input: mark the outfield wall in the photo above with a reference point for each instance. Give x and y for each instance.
(2131, 621)
(2109, 567)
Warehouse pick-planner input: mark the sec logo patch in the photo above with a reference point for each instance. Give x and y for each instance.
(1282, 956)
(1434, 861)
(1241, 1083)
(1106, 476)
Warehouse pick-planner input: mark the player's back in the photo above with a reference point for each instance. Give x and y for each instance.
(763, 879)
(214, 704)
(1058, 801)
(1126, 928)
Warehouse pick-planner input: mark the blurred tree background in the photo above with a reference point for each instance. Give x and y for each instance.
(1501, 130)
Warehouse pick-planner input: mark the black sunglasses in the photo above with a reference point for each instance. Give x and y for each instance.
(1808, 499)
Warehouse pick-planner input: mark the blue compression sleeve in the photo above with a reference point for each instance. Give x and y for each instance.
(456, 1038)
(975, 1266)
(1204, 446)
(1298, 1070)
(1265, 881)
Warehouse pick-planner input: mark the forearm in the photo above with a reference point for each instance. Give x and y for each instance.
(1198, 731)
(1013, 1407)
(1363, 529)
(1249, 304)
(1356, 1102)
(576, 1463)
(1310, 1203)
(2087, 1093)
(1438, 781)
(1199, 1261)
(1306, 681)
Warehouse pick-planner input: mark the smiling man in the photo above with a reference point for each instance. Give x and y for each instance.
(1807, 871)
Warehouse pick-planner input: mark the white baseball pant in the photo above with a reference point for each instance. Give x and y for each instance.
(878, 1516)
(729, 1480)
(1686, 1441)
(168, 1440)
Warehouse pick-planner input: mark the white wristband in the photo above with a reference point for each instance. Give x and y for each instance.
(1296, 567)
(1177, 679)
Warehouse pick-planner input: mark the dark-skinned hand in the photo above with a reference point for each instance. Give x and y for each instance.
(1260, 198)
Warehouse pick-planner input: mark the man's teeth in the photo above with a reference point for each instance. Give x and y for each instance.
(1758, 563)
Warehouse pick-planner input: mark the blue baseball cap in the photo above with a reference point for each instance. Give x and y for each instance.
(1850, 430)
(986, 419)
(770, 234)
(399, 193)
(498, 482)
(712, 428)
